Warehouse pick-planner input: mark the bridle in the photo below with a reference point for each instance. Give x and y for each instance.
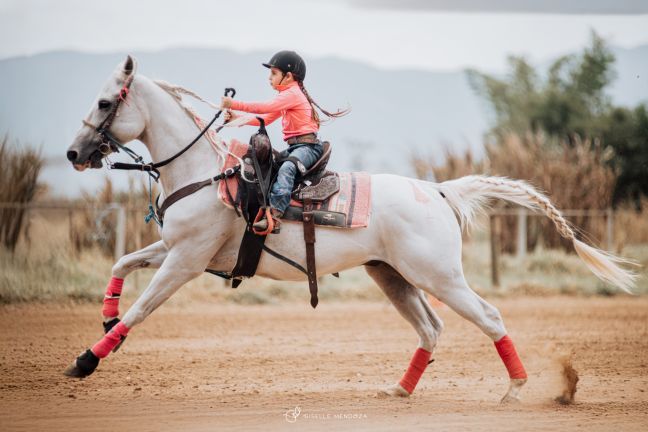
(111, 144)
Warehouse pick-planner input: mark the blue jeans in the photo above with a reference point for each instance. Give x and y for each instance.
(283, 185)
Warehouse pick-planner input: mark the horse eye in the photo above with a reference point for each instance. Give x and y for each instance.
(104, 104)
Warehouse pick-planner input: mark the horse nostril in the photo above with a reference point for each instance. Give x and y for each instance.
(72, 155)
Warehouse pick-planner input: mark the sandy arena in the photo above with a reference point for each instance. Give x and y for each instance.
(207, 367)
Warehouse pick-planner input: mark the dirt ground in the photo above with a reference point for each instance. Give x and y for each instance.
(207, 367)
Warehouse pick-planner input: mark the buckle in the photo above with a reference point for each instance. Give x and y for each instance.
(229, 172)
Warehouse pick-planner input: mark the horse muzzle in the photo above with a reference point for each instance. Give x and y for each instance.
(93, 160)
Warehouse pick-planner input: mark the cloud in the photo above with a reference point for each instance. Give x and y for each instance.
(571, 7)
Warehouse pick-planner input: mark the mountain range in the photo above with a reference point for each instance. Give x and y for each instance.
(394, 113)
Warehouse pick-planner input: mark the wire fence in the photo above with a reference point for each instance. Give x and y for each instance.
(112, 224)
(106, 224)
(522, 215)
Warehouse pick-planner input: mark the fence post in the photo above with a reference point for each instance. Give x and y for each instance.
(609, 228)
(495, 249)
(120, 232)
(521, 233)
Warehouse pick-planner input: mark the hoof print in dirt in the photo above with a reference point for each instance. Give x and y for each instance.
(83, 366)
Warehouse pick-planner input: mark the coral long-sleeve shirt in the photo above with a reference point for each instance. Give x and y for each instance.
(290, 104)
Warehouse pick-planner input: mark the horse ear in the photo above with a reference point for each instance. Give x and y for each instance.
(128, 65)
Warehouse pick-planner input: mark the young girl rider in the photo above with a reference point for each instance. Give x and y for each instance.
(300, 124)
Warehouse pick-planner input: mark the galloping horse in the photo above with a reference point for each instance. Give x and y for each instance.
(411, 247)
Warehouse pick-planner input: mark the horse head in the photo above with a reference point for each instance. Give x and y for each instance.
(114, 119)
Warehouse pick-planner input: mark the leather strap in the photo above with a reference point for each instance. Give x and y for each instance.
(321, 217)
(249, 255)
(306, 138)
(309, 238)
(181, 193)
(190, 189)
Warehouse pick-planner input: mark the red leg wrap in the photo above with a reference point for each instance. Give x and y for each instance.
(111, 299)
(417, 366)
(506, 350)
(102, 348)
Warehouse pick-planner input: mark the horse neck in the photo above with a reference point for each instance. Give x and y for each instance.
(168, 130)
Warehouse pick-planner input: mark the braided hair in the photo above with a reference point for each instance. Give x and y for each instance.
(314, 104)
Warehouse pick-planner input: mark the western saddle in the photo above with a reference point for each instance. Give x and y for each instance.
(313, 185)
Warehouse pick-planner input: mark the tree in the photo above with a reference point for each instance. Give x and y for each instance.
(569, 103)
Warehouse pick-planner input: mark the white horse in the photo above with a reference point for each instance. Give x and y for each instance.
(414, 234)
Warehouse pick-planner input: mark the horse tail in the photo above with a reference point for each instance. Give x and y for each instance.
(470, 195)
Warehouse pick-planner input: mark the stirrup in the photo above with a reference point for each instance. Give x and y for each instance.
(272, 225)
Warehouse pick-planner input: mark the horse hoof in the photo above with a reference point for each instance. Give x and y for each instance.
(512, 396)
(83, 366)
(510, 400)
(393, 391)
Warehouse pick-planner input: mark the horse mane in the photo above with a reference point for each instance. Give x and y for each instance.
(217, 143)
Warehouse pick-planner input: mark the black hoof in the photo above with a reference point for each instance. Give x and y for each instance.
(83, 366)
(108, 326)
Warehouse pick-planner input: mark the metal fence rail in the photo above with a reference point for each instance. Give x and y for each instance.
(122, 213)
(521, 234)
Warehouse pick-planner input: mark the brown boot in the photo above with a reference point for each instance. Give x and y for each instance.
(262, 225)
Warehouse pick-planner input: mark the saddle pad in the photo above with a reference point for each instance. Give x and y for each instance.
(353, 199)
(231, 183)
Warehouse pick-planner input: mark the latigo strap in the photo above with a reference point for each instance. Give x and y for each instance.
(309, 238)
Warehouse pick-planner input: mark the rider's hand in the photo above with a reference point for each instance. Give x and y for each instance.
(230, 115)
(226, 102)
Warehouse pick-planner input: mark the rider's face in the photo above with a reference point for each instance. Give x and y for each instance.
(277, 78)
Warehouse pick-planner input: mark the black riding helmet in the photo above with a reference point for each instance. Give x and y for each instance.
(288, 61)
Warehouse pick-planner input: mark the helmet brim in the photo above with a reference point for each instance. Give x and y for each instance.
(268, 65)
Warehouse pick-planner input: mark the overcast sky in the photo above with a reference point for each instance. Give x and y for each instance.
(433, 34)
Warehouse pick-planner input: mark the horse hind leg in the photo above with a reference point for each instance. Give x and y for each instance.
(414, 307)
(463, 300)
(451, 288)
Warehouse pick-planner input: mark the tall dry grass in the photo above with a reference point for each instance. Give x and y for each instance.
(631, 225)
(575, 175)
(96, 224)
(20, 168)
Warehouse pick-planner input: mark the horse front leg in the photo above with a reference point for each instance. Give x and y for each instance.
(152, 256)
(183, 263)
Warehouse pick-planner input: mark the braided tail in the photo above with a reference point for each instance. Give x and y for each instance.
(470, 195)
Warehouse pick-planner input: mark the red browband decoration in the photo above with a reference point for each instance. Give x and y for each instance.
(123, 94)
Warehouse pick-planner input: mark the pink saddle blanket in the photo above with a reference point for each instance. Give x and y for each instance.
(353, 199)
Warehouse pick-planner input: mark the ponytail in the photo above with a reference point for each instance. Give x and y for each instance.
(314, 104)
